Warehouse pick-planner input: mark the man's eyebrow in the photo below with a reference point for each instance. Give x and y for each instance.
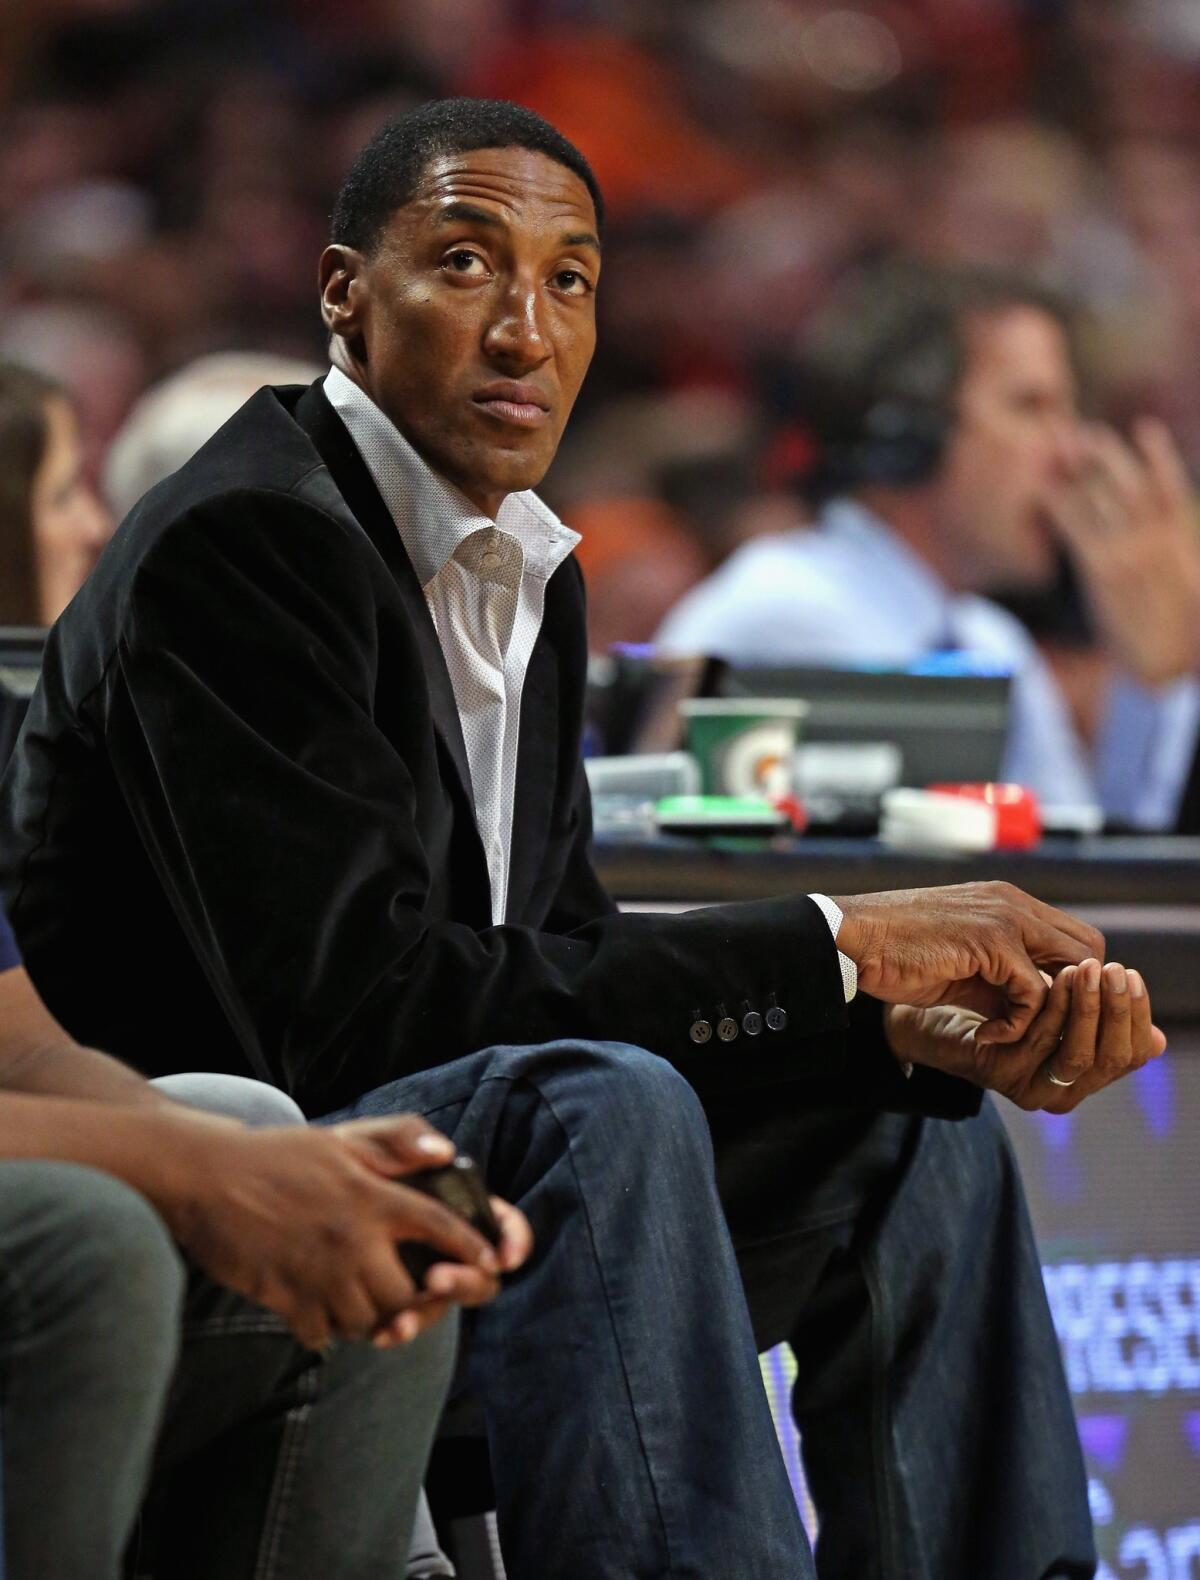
(468, 211)
(460, 211)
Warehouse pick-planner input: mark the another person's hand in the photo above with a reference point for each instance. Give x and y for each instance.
(446, 1283)
(974, 945)
(1128, 519)
(1094, 1028)
(297, 1221)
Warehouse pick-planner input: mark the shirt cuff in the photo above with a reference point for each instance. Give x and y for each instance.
(833, 915)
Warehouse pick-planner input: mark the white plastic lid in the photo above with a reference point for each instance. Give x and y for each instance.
(923, 819)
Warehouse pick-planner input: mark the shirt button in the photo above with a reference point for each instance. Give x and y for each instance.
(489, 560)
(776, 1018)
(700, 1031)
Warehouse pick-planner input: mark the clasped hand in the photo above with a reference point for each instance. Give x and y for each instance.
(306, 1221)
(979, 946)
(985, 982)
(1093, 1028)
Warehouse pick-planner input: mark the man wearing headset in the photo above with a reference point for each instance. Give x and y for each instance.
(953, 459)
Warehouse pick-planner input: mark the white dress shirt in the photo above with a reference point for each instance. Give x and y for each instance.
(851, 591)
(485, 585)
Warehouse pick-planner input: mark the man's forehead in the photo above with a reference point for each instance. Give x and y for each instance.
(1019, 338)
(511, 180)
(1013, 327)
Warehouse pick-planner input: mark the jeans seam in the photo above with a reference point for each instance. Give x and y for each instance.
(817, 1224)
(285, 1471)
(880, 1429)
(884, 1470)
(222, 1327)
(14, 1289)
(461, 1099)
(526, 1080)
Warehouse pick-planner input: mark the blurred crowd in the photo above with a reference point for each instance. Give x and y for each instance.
(167, 169)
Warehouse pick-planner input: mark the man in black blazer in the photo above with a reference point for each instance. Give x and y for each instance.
(302, 782)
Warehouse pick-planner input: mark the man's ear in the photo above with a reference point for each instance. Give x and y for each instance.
(343, 291)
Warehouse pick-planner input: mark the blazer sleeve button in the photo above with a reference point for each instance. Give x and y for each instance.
(700, 1031)
(776, 1018)
(727, 1028)
(752, 1023)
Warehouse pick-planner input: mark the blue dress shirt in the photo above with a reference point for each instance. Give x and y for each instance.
(850, 591)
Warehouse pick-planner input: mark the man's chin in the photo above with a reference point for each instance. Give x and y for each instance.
(514, 472)
(491, 475)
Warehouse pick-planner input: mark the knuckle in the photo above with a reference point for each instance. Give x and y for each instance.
(340, 1240)
(434, 1217)
(1112, 1061)
(1074, 1059)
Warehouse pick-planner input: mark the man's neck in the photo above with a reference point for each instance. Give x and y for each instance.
(487, 505)
(911, 513)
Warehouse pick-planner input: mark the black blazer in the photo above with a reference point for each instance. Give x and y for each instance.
(237, 832)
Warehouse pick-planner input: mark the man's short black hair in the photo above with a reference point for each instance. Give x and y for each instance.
(387, 172)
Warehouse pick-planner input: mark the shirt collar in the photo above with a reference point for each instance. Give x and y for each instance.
(433, 518)
(911, 583)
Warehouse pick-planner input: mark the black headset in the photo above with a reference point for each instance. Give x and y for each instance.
(873, 386)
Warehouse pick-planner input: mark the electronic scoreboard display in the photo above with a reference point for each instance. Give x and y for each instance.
(1114, 1190)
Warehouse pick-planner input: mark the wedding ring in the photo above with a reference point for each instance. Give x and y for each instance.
(1057, 1080)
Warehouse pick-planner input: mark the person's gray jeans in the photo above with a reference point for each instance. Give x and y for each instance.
(115, 1366)
(256, 1103)
(236, 1096)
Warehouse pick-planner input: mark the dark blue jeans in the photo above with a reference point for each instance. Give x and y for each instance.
(623, 1403)
(629, 1431)
(897, 1259)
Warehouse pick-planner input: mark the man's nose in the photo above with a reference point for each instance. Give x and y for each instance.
(516, 337)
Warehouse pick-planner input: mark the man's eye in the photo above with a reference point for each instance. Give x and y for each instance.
(463, 261)
(572, 282)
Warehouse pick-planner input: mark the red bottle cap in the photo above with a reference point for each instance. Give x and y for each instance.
(1018, 816)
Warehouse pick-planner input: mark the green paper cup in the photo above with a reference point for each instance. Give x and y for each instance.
(744, 745)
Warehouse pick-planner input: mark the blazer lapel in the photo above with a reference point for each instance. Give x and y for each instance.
(357, 487)
(551, 723)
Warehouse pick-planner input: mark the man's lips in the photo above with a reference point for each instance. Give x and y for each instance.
(519, 404)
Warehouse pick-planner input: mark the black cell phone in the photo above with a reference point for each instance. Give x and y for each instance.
(459, 1186)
